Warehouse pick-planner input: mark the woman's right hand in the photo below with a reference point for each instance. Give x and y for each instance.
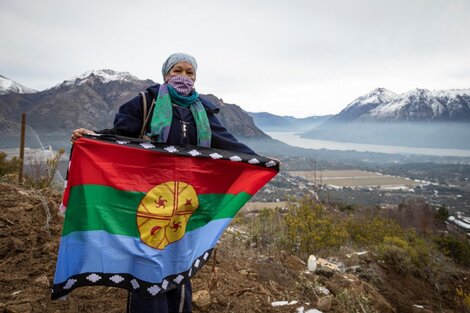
(78, 133)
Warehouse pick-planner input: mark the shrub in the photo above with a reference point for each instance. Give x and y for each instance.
(304, 228)
(346, 207)
(267, 230)
(348, 301)
(398, 254)
(8, 166)
(455, 248)
(311, 228)
(372, 230)
(43, 173)
(410, 253)
(423, 250)
(442, 214)
(463, 299)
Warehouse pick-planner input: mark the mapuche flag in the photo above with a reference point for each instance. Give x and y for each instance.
(146, 216)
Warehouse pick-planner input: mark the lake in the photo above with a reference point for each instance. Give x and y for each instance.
(294, 139)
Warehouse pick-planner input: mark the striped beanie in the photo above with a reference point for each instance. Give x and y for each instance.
(176, 58)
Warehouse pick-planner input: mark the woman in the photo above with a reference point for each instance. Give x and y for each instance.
(179, 116)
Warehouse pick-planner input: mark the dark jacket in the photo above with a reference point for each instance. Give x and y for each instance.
(128, 122)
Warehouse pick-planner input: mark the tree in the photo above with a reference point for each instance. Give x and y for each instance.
(442, 214)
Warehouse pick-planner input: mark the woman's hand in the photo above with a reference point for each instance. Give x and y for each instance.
(78, 133)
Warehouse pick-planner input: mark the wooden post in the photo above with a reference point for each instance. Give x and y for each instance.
(23, 131)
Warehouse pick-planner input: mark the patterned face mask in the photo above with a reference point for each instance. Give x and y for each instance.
(182, 84)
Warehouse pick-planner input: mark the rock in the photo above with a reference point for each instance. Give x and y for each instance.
(324, 264)
(244, 272)
(343, 281)
(19, 308)
(324, 303)
(416, 308)
(367, 274)
(324, 272)
(202, 299)
(42, 280)
(353, 269)
(253, 275)
(222, 300)
(341, 267)
(49, 247)
(293, 263)
(322, 290)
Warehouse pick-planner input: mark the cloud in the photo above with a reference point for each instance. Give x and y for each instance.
(288, 57)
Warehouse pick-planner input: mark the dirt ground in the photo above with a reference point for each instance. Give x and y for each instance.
(238, 279)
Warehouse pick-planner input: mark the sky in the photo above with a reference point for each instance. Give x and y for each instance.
(296, 57)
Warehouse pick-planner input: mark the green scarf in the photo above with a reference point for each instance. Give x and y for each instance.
(163, 115)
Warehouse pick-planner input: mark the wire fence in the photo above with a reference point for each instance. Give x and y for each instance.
(35, 153)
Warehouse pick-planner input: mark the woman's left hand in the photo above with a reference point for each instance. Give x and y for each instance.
(78, 133)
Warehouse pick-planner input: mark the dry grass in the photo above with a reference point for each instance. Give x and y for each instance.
(257, 206)
(354, 178)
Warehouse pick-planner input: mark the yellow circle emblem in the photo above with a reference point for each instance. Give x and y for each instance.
(163, 213)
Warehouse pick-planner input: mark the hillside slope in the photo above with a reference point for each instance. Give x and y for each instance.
(238, 279)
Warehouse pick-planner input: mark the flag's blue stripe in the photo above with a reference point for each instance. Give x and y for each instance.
(102, 252)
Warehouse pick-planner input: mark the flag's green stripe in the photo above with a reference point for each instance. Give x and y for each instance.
(96, 207)
(216, 206)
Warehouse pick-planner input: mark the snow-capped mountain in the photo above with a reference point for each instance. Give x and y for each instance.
(104, 76)
(418, 118)
(365, 104)
(415, 105)
(10, 86)
(89, 100)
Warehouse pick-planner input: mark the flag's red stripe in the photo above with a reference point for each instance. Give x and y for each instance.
(128, 168)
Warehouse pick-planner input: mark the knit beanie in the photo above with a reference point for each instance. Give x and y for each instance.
(176, 58)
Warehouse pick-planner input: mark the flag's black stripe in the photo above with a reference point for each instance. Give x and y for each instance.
(145, 289)
(189, 150)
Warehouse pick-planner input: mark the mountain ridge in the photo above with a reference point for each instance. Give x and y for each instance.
(271, 122)
(90, 100)
(417, 118)
(414, 105)
(420, 117)
(104, 75)
(8, 85)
